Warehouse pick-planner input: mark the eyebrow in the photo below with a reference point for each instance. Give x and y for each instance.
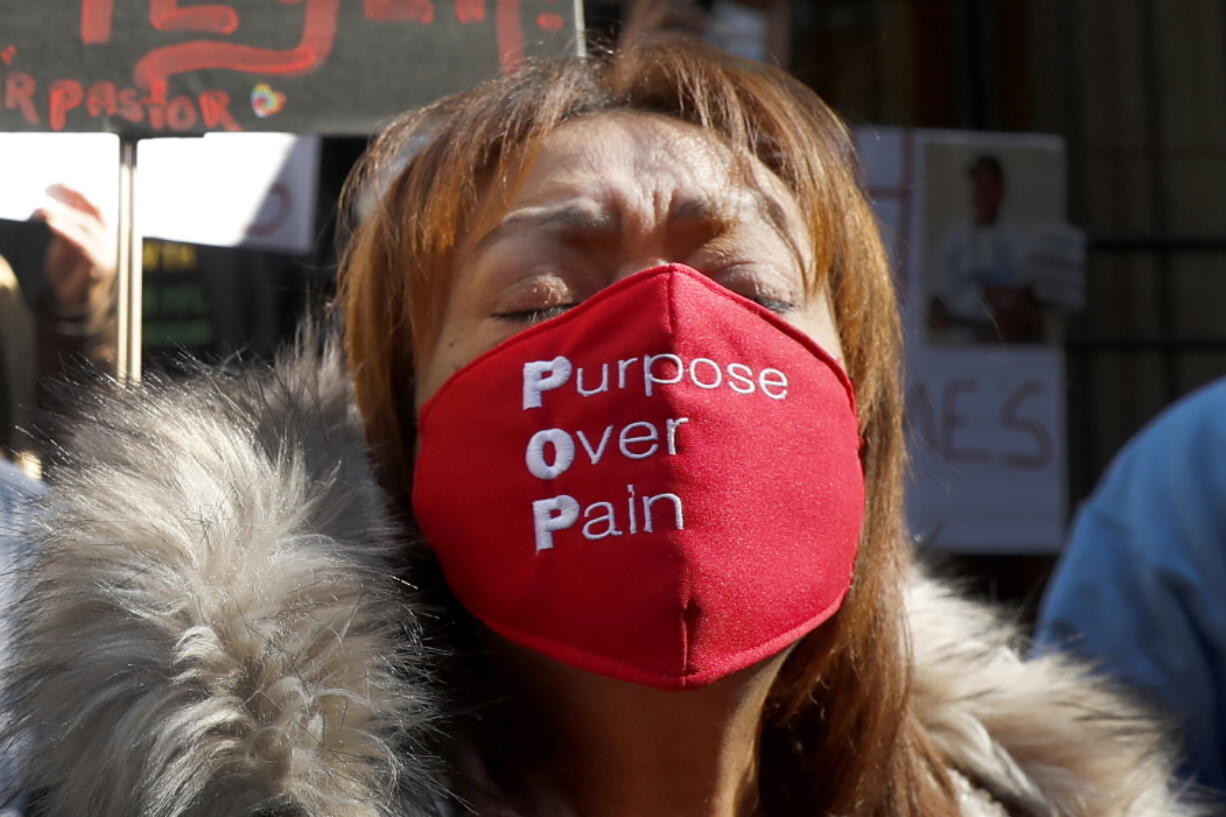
(576, 219)
(601, 220)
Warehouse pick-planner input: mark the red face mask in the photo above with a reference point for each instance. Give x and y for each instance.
(662, 485)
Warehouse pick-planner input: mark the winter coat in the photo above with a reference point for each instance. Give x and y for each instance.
(213, 626)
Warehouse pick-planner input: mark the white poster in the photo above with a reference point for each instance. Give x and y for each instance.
(988, 273)
(231, 190)
(32, 162)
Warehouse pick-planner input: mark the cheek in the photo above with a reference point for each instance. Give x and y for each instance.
(817, 321)
(462, 339)
(454, 344)
(449, 353)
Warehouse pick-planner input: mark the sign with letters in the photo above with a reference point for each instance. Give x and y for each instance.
(968, 218)
(166, 67)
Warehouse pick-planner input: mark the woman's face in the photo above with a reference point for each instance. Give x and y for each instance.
(610, 195)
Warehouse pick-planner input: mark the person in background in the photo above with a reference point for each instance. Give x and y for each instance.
(70, 323)
(1140, 590)
(77, 311)
(997, 281)
(71, 320)
(18, 495)
(18, 369)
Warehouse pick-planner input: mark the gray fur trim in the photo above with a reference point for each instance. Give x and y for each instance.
(1042, 736)
(212, 625)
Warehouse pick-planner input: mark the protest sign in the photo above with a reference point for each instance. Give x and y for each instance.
(158, 68)
(969, 219)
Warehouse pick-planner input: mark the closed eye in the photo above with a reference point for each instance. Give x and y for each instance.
(757, 281)
(778, 307)
(534, 315)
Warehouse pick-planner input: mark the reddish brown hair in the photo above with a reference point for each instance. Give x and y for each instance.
(839, 736)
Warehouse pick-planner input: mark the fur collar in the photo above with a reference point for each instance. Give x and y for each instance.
(212, 626)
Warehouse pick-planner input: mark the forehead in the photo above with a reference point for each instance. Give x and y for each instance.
(640, 147)
(640, 164)
(650, 155)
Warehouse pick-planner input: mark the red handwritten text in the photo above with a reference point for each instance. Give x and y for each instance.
(417, 11)
(510, 36)
(96, 21)
(318, 34)
(961, 422)
(71, 102)
(65, 97)
(167, 16)
(470, 11)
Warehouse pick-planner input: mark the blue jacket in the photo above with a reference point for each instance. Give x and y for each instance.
(1141, 588)
(16, 493)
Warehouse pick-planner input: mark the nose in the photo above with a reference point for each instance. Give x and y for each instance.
(634, 265)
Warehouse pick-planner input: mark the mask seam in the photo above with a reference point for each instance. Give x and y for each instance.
(686, 578)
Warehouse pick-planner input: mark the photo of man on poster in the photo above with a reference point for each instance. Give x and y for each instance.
(1006, 270)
